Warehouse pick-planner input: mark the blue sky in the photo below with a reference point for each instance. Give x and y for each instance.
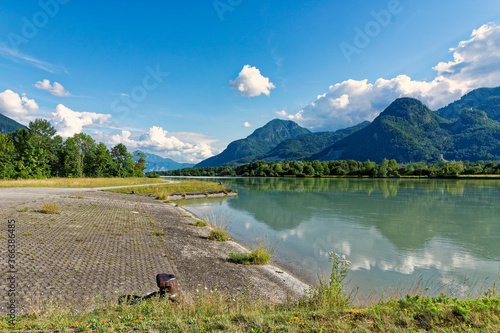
(184, 79)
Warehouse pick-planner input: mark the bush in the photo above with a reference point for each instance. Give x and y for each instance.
(153, 175)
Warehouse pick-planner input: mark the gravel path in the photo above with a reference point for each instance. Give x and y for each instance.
(110, 244)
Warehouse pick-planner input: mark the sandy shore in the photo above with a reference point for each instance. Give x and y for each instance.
(114, 244)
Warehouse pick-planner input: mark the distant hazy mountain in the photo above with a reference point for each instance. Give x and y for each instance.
(8, 125)
(484, 99)
(158, 163)
(408, 131)
(261, 141)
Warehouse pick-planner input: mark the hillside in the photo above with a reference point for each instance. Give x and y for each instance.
(258, 143)
(484, 99)
(8, 125)
(302, 147)
(408, 132)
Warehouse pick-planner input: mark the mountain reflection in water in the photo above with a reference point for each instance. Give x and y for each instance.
(394, 231)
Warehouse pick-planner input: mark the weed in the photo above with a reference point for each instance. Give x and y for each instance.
(157, 232)
(50, 208)
(331, 294)
(260, 255)
(201, 223)
(218, 235)
(220, 223)
(23, 210)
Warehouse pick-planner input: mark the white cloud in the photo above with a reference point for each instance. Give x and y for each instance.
(476, 63)
(160, 142)
(246, 124)
(281, 113)
(251, 83)
(56, 89)
(68, 122)
(15, 106)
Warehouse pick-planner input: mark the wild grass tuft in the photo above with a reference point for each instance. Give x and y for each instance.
(157, 232)
(50, 208)
(219, 222)
(201, 223)
(260, 255)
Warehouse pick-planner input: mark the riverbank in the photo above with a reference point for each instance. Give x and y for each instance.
(113, 244)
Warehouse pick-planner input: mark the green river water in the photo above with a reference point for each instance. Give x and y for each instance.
(439, 235)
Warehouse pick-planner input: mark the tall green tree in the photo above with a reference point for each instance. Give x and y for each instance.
(32, 160)
(140, 164)
(72, 162)
(123, 164)
(7, 157)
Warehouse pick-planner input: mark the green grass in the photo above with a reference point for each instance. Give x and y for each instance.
(200, 223)
(23, 210)
(162, 191)
(50, 208)
(219, 223)
(157, 232)
(218, 235)
(78, 182)
(260, 255)
(325, 309)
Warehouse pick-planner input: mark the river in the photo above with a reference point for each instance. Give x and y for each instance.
(400, 235)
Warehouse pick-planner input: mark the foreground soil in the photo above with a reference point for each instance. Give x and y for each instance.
(103, 245)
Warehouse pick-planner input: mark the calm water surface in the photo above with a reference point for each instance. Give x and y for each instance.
(444, 233)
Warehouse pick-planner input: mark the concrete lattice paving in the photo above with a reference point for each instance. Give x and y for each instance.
(99, 244)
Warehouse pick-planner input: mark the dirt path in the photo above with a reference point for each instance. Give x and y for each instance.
(112, 244)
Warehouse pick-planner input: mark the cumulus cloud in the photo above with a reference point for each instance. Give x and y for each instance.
(251, 83)
(159, 141)
(55, 89)
(476, 63)
(68, 122)
(246, 124)
(281, 113)
(16, 106)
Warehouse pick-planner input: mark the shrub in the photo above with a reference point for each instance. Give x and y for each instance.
(153, 175)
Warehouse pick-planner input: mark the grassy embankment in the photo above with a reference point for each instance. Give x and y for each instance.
(78, 182)
(325, 309)
(162, 191)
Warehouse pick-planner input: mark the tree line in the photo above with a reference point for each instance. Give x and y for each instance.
(37, 152)
(387, 168)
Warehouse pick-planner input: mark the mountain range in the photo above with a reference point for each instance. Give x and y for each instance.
(8, 125)
(408, 131)
(158, 163)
